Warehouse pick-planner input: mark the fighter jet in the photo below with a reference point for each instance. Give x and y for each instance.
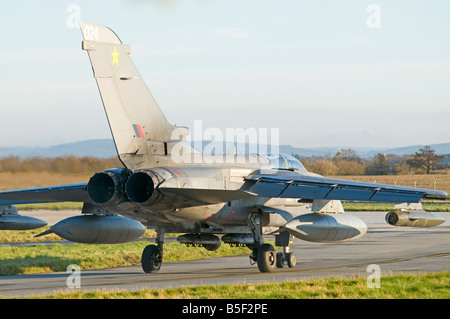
(167, 185)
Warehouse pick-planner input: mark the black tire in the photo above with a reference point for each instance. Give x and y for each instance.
(280, 260)
(291, 260)
(266, 258)
(151, 259)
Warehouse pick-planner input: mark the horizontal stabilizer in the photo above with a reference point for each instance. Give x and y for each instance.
(59, 193)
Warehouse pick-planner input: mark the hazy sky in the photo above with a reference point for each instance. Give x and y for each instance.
(326, 73)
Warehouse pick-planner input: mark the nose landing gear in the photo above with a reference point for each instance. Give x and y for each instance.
(264, 254)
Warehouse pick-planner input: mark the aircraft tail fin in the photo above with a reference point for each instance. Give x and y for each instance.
(139, 128)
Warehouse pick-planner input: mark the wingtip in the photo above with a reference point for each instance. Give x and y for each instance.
(439, 195)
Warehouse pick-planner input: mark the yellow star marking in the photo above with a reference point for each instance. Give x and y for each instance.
(115, 56)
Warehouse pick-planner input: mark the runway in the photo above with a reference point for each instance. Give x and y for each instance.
(393, 249)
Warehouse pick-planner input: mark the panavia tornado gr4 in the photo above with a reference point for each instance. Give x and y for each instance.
(167, 185)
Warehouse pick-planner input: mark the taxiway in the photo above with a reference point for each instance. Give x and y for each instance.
(393, 249)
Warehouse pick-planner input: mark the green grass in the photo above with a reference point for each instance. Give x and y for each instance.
(49, 258)
(19, 236)
(423, 286)
(51, 206)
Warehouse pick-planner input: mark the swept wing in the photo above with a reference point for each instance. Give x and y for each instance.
(318, 187)
(283, 186)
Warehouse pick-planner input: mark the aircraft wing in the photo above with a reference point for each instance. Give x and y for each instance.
(78, 193)
(318, 187)
(59, 193)
(284, 186)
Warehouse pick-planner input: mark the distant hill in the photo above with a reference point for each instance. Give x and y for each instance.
(104, 148)
(446, 159)
(364, 152)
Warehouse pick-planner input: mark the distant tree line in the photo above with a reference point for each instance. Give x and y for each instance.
(59, 165)
(348, 162)
(345, 162)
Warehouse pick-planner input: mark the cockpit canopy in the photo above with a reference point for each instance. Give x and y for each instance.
(284, 161)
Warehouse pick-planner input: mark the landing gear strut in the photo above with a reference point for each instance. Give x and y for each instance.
(264, 254)
(152, 255)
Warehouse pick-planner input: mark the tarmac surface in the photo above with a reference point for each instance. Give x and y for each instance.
(393, 249)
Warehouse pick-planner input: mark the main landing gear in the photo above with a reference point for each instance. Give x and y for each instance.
(152, 255)
(264, 254)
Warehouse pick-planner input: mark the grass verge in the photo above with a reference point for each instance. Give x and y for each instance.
(49, 258)
(423, 286)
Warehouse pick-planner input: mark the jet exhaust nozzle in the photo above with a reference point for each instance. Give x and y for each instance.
(140, 187)
(107, 188)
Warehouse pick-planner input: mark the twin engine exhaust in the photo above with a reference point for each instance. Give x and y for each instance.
(108, 188)
(114, 186)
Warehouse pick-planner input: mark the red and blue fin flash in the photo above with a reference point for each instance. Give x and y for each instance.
(138, 130)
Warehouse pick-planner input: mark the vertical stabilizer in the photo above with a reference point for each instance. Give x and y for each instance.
(139, 128)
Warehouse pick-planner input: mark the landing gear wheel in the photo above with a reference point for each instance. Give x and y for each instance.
(151, 259)
(291, 260)
(265, 257)
(280, 260)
